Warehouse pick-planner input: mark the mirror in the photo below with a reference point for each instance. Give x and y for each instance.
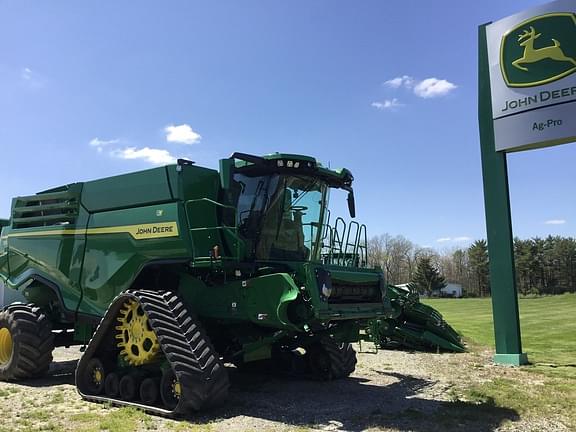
(226, 168)
(351, 204)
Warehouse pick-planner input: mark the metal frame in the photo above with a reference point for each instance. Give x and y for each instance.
(498, 224)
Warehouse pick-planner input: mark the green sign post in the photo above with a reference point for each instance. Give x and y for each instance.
(526, 100)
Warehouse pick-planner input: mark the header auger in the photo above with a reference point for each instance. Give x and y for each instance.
(168, 273)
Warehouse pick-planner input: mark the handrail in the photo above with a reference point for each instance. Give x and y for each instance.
(355, 240)
(232, 230)
(326, 224)
(337, 237)
(363, 246)
(215, 203)
(347, 244)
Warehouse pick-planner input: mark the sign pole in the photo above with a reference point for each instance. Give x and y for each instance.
(498, 225)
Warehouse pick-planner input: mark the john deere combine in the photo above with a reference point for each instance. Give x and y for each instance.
(166, 274)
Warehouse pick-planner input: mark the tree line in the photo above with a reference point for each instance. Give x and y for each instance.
(543, 265)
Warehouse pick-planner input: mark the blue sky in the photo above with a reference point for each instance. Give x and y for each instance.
(387, 89)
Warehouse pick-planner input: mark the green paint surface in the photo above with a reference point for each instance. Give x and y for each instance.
(498, 219)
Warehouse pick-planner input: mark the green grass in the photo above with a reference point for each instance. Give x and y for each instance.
(548, 325)
(548, 336)
(125, 419)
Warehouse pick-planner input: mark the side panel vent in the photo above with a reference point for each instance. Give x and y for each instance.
(51, 208)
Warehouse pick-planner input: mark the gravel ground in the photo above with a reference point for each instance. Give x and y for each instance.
(390, 391)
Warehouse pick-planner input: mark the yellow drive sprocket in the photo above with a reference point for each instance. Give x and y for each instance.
(136, 338)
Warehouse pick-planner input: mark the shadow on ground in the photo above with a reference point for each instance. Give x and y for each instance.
(61, 372)
(402, 402)
(355, 404)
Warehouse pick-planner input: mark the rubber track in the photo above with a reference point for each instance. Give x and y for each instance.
(33, 341)
(202, 376)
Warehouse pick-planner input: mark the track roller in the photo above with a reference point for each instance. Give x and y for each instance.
(170, 389)
(95, 377)
(150, 391)
(129, 385)
(112, 385)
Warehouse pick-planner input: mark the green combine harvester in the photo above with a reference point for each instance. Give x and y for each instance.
(167, 274)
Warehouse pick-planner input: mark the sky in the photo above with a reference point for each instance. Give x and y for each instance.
(387, 89)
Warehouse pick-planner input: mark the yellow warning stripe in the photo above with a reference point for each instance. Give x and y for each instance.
(138, 232)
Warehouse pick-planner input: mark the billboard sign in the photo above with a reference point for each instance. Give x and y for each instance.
(532, 64)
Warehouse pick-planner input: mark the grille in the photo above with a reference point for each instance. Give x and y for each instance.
(346, 292)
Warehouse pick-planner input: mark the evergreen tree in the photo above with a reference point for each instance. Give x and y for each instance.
(427, 278)
(478, 261)
(543, 266)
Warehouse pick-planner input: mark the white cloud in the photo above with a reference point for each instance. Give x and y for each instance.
(433, 87)
(404, 80)
(150, 155)
(426, 88)
(555, 222)
(183, 134)
(97, 142)
(453, 239)
(26, 74)
(31, 79)
(387, 104)
(461, 239)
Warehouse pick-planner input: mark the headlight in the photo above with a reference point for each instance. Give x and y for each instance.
(326, 291)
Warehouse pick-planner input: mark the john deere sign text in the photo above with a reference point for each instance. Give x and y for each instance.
(532, 59)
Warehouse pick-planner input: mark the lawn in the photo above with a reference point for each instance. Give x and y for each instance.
(549, 338)
(548, 325)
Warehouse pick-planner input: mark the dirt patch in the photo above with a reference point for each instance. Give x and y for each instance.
(390, 390)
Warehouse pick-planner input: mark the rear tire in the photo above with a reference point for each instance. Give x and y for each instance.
(26, 342)
(329, 360)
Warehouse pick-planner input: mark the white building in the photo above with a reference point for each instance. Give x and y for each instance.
(451, 290)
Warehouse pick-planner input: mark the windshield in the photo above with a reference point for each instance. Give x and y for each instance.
(279, 215)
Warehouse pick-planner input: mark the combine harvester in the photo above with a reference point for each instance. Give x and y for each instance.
(165, 274)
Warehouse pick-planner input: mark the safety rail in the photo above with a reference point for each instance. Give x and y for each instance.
(214, 240)
(344, 244)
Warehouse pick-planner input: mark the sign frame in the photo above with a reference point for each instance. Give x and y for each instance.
(495, 145)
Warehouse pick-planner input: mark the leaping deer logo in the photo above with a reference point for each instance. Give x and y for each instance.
(531, 55)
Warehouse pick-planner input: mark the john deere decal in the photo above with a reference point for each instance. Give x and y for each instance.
(539, 50)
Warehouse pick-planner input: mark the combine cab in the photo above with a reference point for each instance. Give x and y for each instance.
(166, 274)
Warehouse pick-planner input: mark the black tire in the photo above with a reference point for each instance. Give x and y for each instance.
(330, 360)
(30, 331)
